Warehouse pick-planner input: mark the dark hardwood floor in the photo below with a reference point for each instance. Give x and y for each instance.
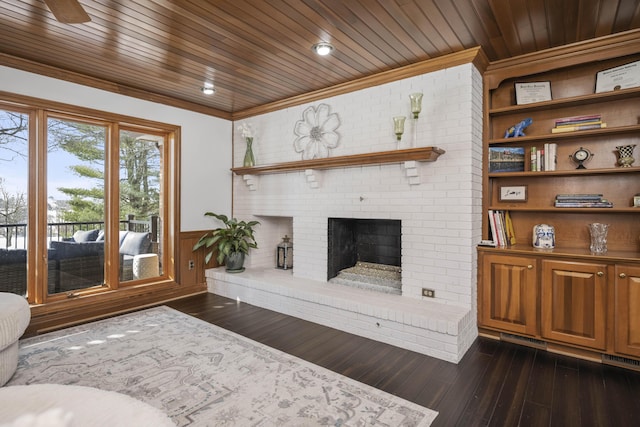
(496, 383)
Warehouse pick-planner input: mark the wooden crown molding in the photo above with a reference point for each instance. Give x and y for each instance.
(474, 55)
(61, 74)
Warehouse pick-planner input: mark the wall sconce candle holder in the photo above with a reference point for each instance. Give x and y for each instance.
(416, 104)
(398, 126)
(416, 107)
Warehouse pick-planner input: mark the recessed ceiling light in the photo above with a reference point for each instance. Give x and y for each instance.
(208, 89)
(322, 49)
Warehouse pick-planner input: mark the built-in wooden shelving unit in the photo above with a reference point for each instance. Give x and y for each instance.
(565, 299)
(420, 154)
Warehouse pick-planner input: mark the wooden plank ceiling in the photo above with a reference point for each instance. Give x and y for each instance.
(259, 51)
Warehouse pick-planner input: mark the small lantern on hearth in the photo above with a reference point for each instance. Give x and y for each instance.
(284, 254)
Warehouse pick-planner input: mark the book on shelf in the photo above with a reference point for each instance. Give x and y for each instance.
(537, 159)
(581, 201)
(540, 160)
(578, 127)
(579, 196)
(576, 123)
(492, 228)
(551, 156)
(534, 159)
(511, 235)
(544, 159)
(501, 228)
(506, 159)
(571, 124)
(600, 204)
(578, 119)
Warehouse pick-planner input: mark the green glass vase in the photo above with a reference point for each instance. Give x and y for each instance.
(249, 160)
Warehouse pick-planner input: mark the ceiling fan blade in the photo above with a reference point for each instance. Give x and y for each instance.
(68, 11)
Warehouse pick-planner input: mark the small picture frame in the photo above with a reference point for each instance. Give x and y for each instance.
(513, 193)
(622, 77)
(506, 159)
(530, 92)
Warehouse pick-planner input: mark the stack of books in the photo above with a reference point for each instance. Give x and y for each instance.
(582, 201)
(501, 228)
(575, 123)
(544, 158)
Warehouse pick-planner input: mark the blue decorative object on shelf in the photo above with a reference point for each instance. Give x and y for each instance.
(518, 130)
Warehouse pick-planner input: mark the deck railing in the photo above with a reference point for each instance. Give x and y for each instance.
(13, 236)
(67, 273)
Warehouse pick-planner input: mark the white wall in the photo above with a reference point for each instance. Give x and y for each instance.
(441, 217)
(206, 140)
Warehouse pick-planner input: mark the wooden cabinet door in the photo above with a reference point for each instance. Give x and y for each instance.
(627, 310)
(573, 303)
(509, 293)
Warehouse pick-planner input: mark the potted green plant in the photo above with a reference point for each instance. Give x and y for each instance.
(232, 242)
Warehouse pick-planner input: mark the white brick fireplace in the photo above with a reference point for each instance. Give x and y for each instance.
(438, 204)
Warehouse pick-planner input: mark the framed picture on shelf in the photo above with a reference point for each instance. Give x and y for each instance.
(530, 92)
(622, 77)
(513, 193)
(506, 159)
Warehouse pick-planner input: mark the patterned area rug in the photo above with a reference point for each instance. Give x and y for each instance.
(203, 375)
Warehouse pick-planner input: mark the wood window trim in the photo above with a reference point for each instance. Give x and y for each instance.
(56, 306)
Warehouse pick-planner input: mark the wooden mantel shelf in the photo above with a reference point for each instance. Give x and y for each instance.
(420, 154)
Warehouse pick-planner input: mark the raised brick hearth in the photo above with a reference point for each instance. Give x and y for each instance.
(422, 326)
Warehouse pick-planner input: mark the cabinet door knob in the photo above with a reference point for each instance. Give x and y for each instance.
(529, 266)
(600, 273)
(622, 275)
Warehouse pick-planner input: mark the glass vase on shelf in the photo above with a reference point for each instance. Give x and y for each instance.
(249, 160)
(598, 234)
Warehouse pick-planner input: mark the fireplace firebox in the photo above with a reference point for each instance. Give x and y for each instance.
(366, 243)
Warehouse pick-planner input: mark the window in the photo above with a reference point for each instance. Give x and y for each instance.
(14, 207)
(75, 189)
(85, 202)
(141, 187)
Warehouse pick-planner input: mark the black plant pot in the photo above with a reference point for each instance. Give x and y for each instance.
(235, 262)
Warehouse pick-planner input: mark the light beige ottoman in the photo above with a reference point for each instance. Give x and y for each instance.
(14, 319)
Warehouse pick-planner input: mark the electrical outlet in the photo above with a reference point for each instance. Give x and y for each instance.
(192, 264)
(428, 293)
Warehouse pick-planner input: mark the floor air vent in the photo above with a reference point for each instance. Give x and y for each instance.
(531, 342)
(622, 362)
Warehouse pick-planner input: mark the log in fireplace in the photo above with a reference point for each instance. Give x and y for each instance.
(365, 253)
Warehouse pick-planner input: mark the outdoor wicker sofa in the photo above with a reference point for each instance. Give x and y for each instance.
(75, 263)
